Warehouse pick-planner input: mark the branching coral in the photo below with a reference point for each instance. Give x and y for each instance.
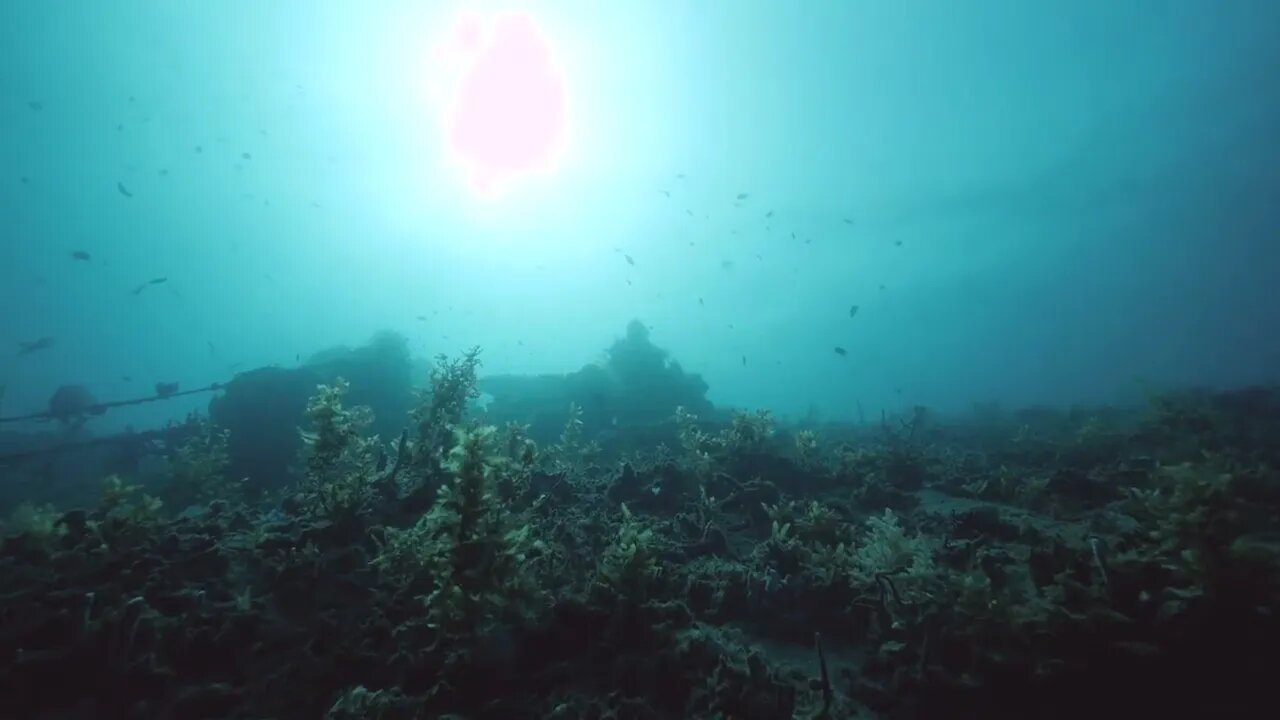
(125, 513)
(808, 450)
(883, 566)
(747, 433)
(574, 451)
(197, 470)
(518, 461)
(629, 563)
(1200, 532)
(468, 550)
(341, 464)
(813, 522)
(886, 549)
(453, 385)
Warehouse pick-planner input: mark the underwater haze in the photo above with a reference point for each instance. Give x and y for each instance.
(650, 360)
(814, 205)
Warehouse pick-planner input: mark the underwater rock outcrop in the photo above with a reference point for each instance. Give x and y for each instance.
(262, 409)
(637, 384)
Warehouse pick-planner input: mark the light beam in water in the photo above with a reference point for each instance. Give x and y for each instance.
(506, 117)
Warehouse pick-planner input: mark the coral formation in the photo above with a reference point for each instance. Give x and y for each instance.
(1039, 564)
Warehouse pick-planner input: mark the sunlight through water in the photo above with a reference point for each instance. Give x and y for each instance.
(505, 117)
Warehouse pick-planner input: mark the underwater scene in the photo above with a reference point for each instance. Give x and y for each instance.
(650, 360)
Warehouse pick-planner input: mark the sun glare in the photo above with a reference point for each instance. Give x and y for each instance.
(504, 109)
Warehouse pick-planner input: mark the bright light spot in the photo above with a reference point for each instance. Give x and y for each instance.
(505, 117)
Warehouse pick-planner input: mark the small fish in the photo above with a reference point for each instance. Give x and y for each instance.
(629, 259)
(36, 105)
(847, 221)
(769, 214)
(153, 281)
(123, 190)
(166, 389)
(212, 350)
(126, 378)
(689, 212)
(246, 156)
(853, 310)
(841, 351)
(744, 361)
(743, 196)
(793, 236)
(199, 149)
(664, 192)
(422, 318)
(628, 281)
(680, 176)
(897, 243)
(80, 255)
(726, 264)
(700, 302)
(28, 347)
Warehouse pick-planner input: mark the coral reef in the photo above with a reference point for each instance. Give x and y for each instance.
(1036, 564)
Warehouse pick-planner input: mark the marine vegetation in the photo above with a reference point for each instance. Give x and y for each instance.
(1041, 564)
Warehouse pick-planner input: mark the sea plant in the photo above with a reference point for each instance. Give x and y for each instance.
(341, 472)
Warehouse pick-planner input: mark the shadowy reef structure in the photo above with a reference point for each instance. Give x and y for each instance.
(330, 544)
(636, 385)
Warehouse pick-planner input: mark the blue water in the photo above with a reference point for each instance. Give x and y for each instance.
(1051, 202)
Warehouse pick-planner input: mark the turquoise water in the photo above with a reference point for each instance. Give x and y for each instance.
(1053, 202)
